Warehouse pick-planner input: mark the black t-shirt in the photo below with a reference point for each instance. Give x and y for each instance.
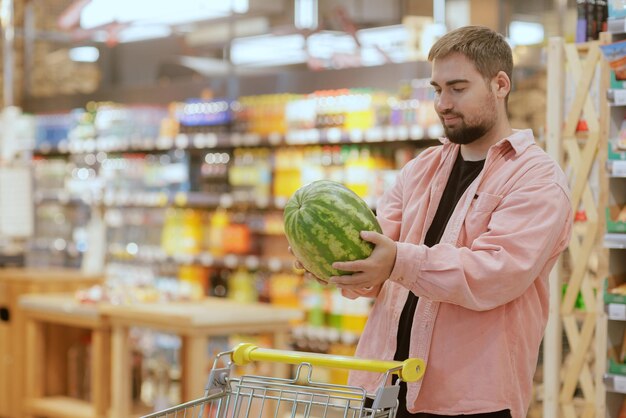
(462, 175)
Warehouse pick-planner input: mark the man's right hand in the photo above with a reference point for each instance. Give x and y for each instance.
(307, 274)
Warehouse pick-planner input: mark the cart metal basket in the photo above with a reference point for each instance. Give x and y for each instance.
(271, 397)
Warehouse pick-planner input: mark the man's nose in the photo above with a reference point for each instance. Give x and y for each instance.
(443, 103)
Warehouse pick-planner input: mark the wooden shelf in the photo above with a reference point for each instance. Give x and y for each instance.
(209, 316)
(60, 406)
(194, 322)
(139, 410)
(14, 283)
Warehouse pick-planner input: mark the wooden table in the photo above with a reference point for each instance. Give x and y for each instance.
(15, 282)
(194, 322)
(61, 309)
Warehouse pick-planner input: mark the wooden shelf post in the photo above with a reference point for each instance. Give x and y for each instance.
(577, 152)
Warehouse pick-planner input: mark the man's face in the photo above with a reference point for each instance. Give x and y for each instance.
(464, 102)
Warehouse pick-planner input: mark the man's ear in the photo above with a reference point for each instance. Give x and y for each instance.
(501, 85)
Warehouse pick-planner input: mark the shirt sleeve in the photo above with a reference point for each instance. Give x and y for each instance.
(368, 292)
(526, 232)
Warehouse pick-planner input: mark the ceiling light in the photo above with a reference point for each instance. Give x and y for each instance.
(84, 54)
(267, 50)
(136, 33)
(102, 12)
(526, 33)
(382, 43)
(326, 44)
(305, 14)
(240, 6)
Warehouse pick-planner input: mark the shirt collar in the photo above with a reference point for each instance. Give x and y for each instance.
(520, 140)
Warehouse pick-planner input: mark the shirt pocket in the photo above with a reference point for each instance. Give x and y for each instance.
(479, 215)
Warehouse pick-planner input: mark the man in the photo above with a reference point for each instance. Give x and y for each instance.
(471, 232)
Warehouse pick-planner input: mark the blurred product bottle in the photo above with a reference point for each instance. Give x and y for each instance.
(172, 234)
(170, 126)
(237, 239)
(355, 313)
(359, 109)
(217, 232)
(219, 283)
(288, 173)
(284, 289)
(191, 233)
(242, 286)
(312, 299)
(195, 280)
(358, 168)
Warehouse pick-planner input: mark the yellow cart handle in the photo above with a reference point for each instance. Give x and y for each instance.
(409, 370)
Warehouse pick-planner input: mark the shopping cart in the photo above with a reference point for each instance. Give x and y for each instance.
(271, 397)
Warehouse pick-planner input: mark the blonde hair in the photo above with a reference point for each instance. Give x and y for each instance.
(486, 48)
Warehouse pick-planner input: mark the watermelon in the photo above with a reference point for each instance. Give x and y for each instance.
(322, 222)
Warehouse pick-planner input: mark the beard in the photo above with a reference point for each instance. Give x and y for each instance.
(470, 129)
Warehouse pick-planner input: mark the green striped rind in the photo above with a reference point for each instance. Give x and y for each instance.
(322, 222)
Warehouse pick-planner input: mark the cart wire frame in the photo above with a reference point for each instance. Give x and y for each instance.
(251, 396)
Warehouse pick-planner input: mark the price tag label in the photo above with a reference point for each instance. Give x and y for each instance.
(226, 200)
(290, 138)
(211, 140)
(199, 140)
(403, 133)
(148, 144)
(251, 139)
(180, 198)
(312, 136)
(274, 264)
(618, 168)
(161, 199)
(619, 383)
(619, 96)
(333, 135)
(236, 139)
(280, 202)
(374, 134)
(617, 311)
(182, 141)
(417, 132)
(390, 133)
(356, 135)
(90, 145)
(207, 259)
(435, 131)
(63, 146)
(231, 261)
(274, 138)
(252, 262)
(184, 258)
(168, 143)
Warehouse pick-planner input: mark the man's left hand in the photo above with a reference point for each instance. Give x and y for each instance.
(373, 270)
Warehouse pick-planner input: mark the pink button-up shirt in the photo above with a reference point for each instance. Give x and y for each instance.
(483, 290)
